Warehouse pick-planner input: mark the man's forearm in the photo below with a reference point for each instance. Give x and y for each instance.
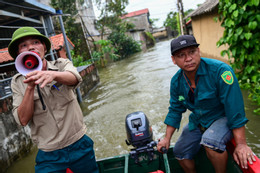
(66, 78)
(26, 109)
(169, 132)
(239, 135)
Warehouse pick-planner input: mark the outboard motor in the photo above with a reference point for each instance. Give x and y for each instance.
(139, 135)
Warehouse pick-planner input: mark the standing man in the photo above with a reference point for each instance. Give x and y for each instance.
(58, 129)
(210, 90)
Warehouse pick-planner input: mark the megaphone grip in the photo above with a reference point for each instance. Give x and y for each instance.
(30, 61)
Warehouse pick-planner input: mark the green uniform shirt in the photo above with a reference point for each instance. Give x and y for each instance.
(217, 94)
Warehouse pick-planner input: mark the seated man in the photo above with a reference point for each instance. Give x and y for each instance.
(210, 90)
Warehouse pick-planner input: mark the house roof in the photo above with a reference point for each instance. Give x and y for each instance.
(206, 7)
(136, 13)
(57, 43)
(5, 56)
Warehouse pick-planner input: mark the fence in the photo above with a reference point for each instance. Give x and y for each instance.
(5, 88)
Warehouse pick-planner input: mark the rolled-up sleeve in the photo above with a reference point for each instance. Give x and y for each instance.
(17, 97)
(68, 66)
(176, 108)
(231, 97)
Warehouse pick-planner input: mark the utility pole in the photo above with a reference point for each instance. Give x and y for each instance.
(79, 97)
(181, 15)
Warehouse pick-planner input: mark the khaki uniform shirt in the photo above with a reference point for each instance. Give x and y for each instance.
(61, 123)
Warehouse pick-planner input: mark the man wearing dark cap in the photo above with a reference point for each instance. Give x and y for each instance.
(210, 90)
(53, 114)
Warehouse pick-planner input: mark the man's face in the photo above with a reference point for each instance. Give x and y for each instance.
(188, 59)
(32, 44)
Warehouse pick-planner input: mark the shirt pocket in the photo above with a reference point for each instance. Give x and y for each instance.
(62, 97)
(207, 100)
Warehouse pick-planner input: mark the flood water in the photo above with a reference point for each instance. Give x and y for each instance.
(139, 83)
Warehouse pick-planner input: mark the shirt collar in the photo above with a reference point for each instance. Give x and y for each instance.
(201, 70)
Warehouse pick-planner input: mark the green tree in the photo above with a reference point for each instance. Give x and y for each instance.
(105, 50)
(171, 20)
(73, 29)
(111, 10)
(111, 13)
(152, 21)
(188, 12)
(241, 19)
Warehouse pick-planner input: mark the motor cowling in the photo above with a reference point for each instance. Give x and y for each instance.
(139, 132)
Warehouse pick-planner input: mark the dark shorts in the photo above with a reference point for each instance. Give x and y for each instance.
(79, 157)
(215, 137)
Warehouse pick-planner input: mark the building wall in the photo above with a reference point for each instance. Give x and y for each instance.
(139, 36)
(90, 79)
(207, 32)
(160, 34)
(86, 11)
(140, 22)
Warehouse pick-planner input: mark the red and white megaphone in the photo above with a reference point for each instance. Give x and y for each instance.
(27, 62)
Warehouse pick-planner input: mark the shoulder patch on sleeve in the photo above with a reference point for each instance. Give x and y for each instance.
(227, 77)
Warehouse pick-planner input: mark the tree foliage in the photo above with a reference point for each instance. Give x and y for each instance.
(241, 19)
(105, 50)
(152, 21)
(171, 20)
(73, 30)
(124, 44)
(111, 11)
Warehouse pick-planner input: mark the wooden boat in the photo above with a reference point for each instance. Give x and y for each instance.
(144, 158)
(166, 163)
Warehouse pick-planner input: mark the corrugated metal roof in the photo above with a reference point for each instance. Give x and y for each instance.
(206, 7)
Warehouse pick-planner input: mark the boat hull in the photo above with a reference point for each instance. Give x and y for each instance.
(166, 163)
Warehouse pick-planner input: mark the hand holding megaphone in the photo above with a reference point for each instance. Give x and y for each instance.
(27, 62)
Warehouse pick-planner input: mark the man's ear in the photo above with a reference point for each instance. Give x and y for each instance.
(45, 49)
(173, 60)
(199, 51)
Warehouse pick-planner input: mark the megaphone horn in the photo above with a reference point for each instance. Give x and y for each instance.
(27, 62)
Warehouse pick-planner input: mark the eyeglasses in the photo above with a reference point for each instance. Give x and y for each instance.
(183, 55)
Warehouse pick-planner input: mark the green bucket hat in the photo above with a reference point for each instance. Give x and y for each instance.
(24, 32)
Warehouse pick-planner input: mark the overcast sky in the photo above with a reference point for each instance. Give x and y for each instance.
(159, 8)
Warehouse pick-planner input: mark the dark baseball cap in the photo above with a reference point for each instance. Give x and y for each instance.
(183, 41)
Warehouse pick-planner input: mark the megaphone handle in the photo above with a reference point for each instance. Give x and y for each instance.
(40, 95)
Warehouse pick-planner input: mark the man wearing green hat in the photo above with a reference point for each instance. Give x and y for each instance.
(58, 129)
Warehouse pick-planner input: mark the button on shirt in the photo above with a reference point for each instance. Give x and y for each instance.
(217, 94)
(61, 123)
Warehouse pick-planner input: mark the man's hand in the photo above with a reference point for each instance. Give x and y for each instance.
(163, 143)
(40, 77)
(242, 154)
